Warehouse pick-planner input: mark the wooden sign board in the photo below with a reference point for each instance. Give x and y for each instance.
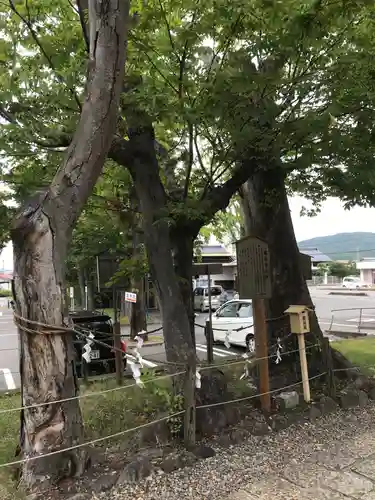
(253, 268)
(203, 269)
(107, 266)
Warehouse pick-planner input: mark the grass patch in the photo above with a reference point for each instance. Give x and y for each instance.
(110, 413)
(124, 320)
(9, 428)
(103, 415)
(360, 352)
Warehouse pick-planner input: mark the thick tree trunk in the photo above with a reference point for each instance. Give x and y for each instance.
(41, 234)
(47, 364)
(144, 169)
(267, 216)
(183, 247)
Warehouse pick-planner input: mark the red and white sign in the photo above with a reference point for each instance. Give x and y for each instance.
(130, 297)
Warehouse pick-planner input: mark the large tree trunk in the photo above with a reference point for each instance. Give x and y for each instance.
(144, 169)
(267, 216)
(41, 234)
(183, 248)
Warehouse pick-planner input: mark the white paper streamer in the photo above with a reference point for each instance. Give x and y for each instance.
(226, 342)
(251, 345)
(136, 370)
(198, 381)
(138, 357)
(246, 372)
(87, 348)
(278, 352)
(139, 339)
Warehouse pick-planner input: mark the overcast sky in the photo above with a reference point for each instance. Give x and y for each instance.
(332, 219)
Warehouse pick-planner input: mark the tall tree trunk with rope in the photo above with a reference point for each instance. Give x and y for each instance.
(41, 234)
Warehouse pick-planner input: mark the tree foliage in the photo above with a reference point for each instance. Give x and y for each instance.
(227, 89)
(214, 79)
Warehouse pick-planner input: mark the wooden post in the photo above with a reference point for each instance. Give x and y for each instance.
(189, 394)
(261, 341)
(304, 369)
(209, 341)
(118, 354)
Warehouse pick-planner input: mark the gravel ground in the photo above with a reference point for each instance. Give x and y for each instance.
(232, 468)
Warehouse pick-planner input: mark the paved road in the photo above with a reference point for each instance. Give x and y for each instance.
(347, 319)
(9, 364)
(324, 303)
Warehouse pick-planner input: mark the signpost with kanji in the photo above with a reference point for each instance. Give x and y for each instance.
(254, 282)
(253, 268)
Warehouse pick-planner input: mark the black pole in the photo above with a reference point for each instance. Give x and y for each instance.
(209, 341)
(114, 300)
(209, 333)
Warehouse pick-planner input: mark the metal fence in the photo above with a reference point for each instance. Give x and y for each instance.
(321, 280)
(359, 320)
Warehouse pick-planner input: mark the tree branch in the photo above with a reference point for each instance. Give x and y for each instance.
(86, 154)
(218, 197)
(83, 7)
(169, 31)
(190, 160)
(46, 56)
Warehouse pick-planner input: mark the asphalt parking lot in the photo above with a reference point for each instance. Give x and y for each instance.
(345, 320)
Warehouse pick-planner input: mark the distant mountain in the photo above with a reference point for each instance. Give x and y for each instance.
(343, 246)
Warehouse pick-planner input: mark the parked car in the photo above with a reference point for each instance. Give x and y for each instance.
(102, 357)
(201, 301)
(234, 314)
(353, 282)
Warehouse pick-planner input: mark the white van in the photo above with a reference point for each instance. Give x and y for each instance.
(353, 282)
(201, 298)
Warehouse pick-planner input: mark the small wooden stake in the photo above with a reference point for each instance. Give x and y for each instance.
(118, 354)
(261, 340)
(189, 420)
(304, 369)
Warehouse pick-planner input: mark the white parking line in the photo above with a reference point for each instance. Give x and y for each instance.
(363, 320)
(8, 378)
(333, 324)
(204, 349)
(218, 351)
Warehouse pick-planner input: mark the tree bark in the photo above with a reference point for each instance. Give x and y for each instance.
(144, 169)
(267, 216)
(41, 233)
(183, 248)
